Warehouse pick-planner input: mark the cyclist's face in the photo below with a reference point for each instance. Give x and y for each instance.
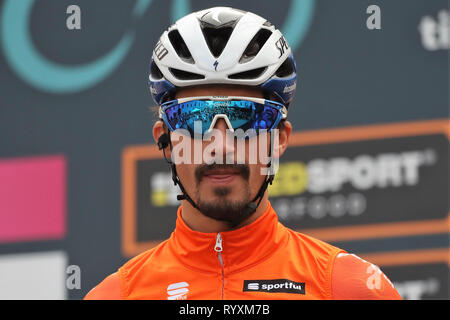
(222, 190)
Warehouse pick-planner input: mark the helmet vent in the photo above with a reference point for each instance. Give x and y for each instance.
(180, 46)
(255, 45)
(246, 75)
(286, 69)
(185, 75)
(155, 73)
(217, 38)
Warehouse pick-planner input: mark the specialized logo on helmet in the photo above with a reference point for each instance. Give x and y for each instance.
(215, 65)
(281, 45)
(160, 50)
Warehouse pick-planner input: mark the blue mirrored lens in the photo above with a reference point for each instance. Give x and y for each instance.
(266, 118)
(241, 113)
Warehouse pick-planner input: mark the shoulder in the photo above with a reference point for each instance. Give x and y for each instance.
(142, 261)
(314, 258)
(114, 287)
(108, 289)
(356, 279)
(308, 243)
(313, 250)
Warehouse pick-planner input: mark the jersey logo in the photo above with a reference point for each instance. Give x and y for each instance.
(274, 285)
(177, 291)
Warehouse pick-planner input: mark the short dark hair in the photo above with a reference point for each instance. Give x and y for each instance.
(282, 124)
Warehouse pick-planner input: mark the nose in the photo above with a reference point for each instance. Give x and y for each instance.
(226, 145)
(221, 125)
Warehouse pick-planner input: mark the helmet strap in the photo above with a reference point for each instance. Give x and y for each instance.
(163, 144)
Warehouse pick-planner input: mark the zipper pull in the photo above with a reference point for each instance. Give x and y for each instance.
(218, 246)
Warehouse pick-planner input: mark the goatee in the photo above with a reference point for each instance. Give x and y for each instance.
(223, 209)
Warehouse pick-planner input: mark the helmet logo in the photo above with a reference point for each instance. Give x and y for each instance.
(215, 65)
(281, 45)
(160, 51)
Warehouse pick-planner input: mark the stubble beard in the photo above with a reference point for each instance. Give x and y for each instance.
(222, 208)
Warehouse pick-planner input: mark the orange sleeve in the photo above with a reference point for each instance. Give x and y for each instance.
(356, 279)
(108, 289)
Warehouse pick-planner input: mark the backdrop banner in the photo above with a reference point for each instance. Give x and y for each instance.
(367, 168)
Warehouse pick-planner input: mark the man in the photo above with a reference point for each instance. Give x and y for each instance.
(214, 72)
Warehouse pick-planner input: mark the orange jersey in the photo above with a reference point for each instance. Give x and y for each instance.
(263, 260)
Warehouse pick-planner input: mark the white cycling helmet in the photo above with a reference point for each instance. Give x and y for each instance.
(222, 45)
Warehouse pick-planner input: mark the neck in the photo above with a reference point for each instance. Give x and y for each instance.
(197, 221)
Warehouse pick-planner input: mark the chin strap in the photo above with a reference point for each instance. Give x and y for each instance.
(164, 142)
(251, 207)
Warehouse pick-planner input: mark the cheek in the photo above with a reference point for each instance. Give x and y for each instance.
(182, 149)
(257, 176)
(257, 150)
(186, 173)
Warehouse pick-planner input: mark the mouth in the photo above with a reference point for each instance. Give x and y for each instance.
(221, 176)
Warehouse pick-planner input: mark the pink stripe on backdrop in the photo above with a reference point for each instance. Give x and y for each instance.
(33, 198)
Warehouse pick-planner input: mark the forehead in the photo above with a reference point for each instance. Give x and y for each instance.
(219, 90)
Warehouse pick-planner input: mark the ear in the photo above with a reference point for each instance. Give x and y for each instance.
(159, 129)
(283, 138)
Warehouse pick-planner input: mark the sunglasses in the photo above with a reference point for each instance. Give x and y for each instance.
(246, 113)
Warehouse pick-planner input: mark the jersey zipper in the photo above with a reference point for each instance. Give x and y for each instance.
(218, 248)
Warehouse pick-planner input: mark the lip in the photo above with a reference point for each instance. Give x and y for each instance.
(222, 179)
(217, 172)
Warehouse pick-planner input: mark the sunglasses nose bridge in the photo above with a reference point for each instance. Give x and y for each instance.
(216, 123)
(220, 128)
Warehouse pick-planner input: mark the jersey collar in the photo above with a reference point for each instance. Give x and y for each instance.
(242, 248)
